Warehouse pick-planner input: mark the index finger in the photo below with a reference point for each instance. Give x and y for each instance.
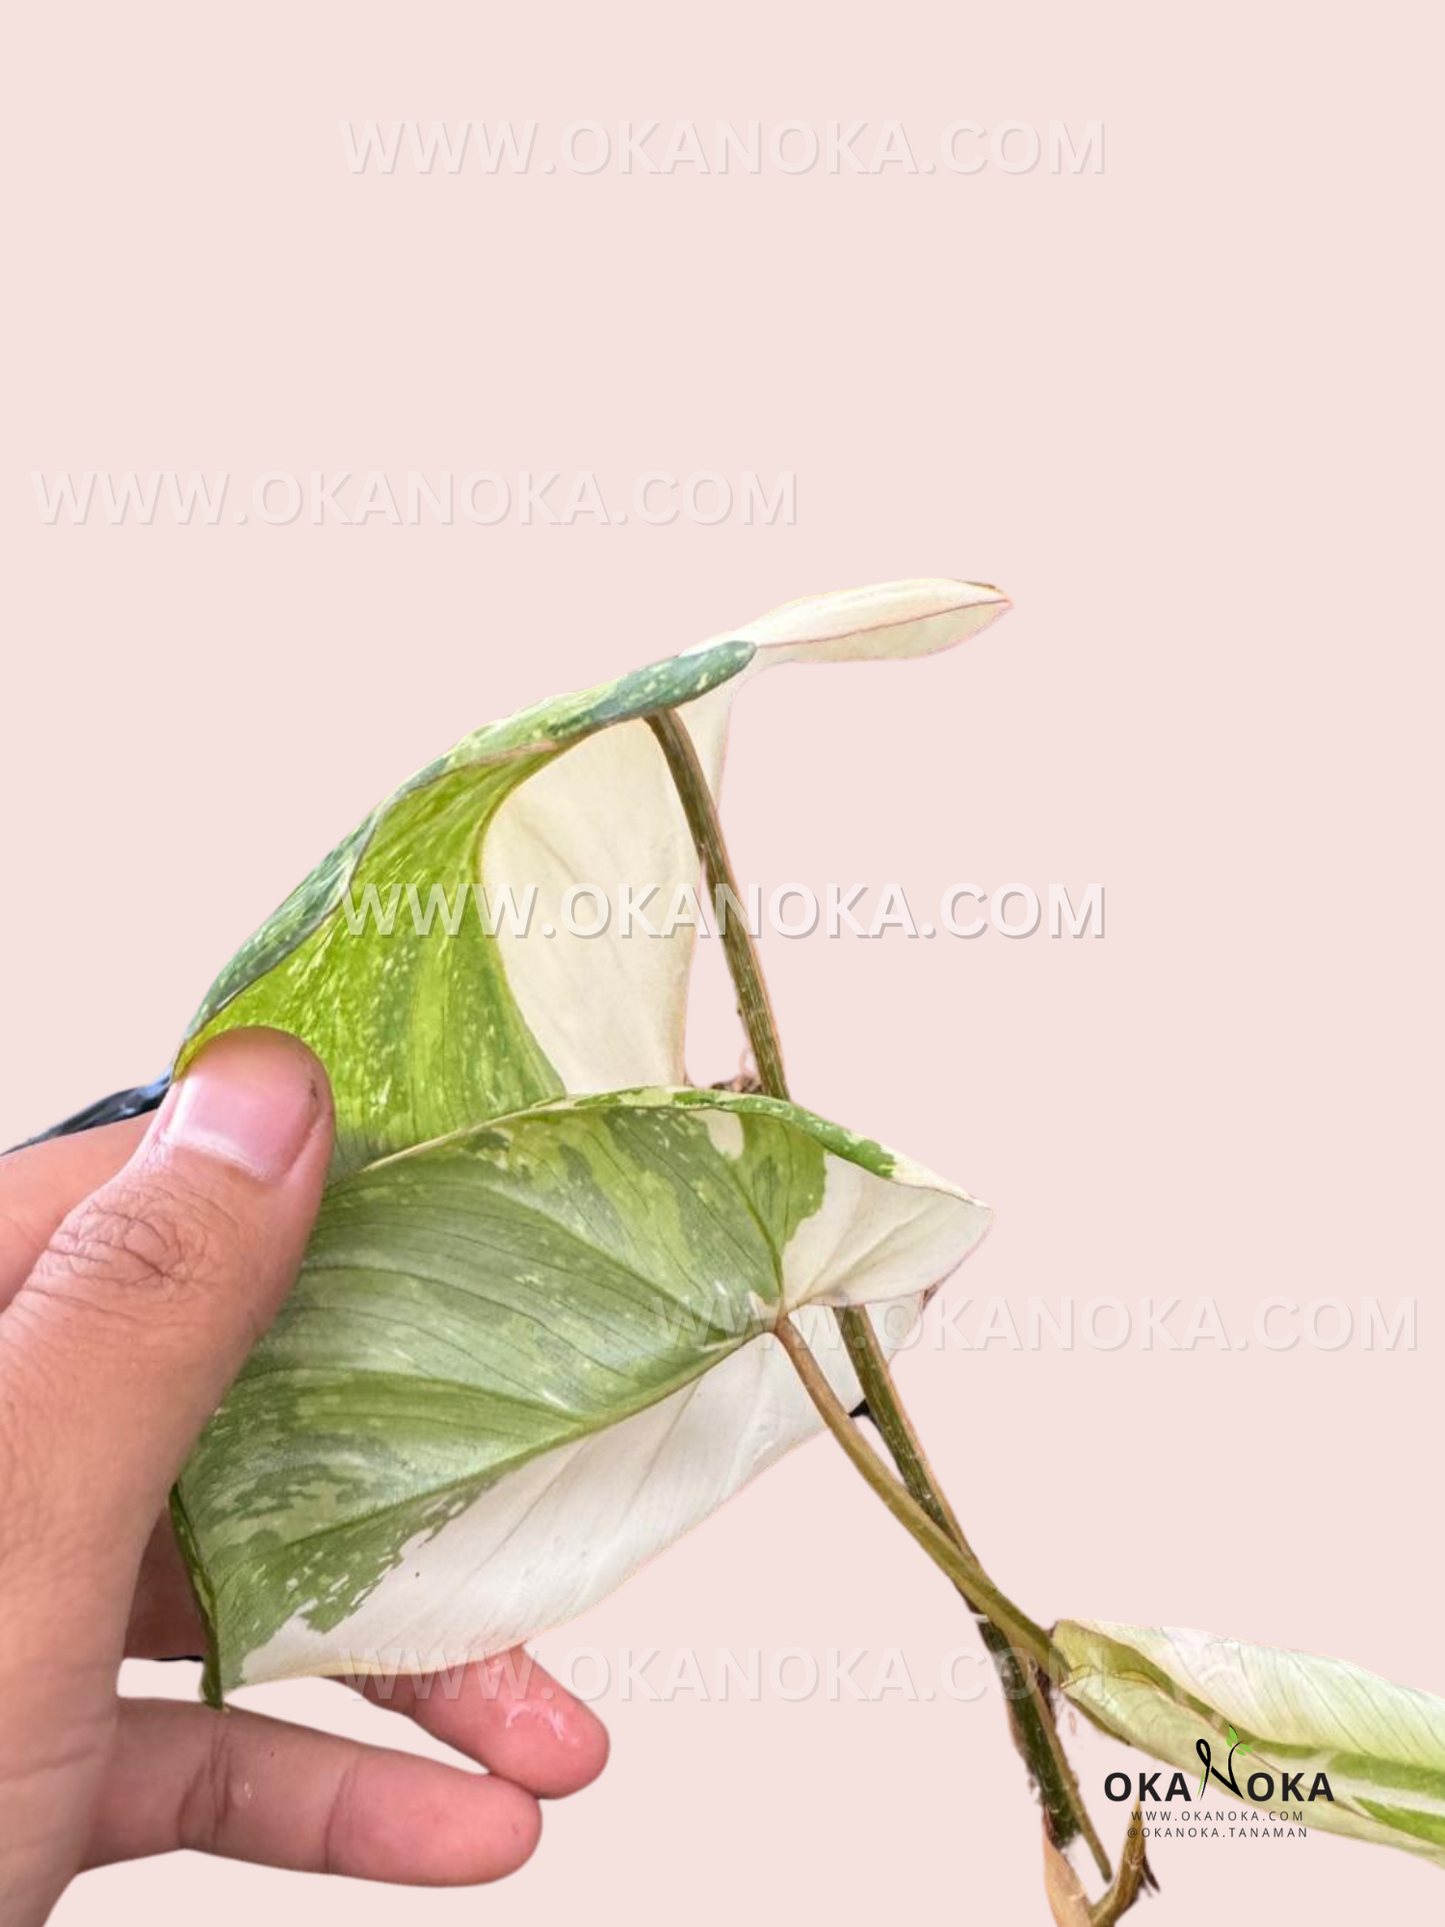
(41, 1185)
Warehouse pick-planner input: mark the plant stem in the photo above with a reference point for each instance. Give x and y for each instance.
(1133, 1876)
(1031, 1716)
(961, 1567)
(690, 781)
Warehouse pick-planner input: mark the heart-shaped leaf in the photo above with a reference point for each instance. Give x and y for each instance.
(1380, 1747)
(523, 1359)
(424, 1032)
(465, 1427)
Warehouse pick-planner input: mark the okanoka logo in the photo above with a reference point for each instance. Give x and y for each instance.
(1260, 1788)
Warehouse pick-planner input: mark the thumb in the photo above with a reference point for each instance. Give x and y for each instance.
(120, 1343)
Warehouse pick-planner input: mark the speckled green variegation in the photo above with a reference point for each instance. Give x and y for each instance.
(550, 1316)
(529, 1348)
(422, 1035)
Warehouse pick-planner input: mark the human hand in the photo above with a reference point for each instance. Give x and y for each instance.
(138, 1265)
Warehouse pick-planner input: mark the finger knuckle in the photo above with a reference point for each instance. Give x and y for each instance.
(340, 1830)
(208, 1806)
(126, 1249)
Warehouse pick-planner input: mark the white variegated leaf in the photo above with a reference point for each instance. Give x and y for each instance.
(1380, 1747)
(423, 1034)
(522, 1360)
(370, 1490)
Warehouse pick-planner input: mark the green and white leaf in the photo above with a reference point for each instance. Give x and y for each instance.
(522, 1360)
(421, 1033)
(442, 1447)
(425, 1034)
(1382, 1746)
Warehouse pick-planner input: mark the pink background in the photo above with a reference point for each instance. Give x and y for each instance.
(1184, 411)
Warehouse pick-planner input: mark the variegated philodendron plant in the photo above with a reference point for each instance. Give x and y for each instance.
(559, 1305)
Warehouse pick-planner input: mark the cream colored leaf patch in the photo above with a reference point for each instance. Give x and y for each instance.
(521, 1360)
